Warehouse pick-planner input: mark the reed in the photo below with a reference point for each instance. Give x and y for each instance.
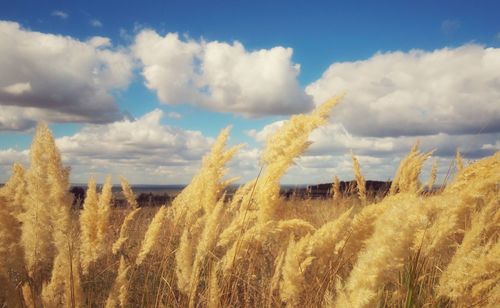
(406, 249)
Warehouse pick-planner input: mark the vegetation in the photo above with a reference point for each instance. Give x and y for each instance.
(408, 249)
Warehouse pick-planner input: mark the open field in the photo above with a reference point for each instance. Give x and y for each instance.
(408, 248)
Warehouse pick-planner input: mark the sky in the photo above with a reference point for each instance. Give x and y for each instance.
(142, 89)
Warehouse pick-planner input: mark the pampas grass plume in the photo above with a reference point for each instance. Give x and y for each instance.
(360, 180)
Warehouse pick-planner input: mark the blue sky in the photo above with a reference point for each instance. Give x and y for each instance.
(322, 37)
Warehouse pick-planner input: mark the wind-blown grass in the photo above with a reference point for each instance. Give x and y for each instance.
(411, 248)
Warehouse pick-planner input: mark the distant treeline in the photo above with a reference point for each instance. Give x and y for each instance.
(143, 199)
(319, 191)
(323, 191)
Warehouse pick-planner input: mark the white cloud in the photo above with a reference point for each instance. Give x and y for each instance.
(60, 14)
(61, 80)
(450, 90)
(95, 23)
(335, 139)
(18, 88)
(10, 156)
(136, 149)
(329, 153)
(315, 169)
(266, 131)
(220, 76)
(14, 118)
(99, 41)
(447, 99)
(491, 146)
(7, 158)
(143, 150)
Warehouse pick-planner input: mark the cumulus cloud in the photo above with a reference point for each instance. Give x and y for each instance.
(60, 14)
(136, 148)
(335, 139)
(447, 99)
(450, 90)
(57, 78)
(145, 151)
(142, 149)
(131, 137)
(491, 146)
(99, 41)
(329, 153)
(266, 131)
(9, 156)
(220, 76)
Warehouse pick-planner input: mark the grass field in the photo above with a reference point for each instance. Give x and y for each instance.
(408, 248)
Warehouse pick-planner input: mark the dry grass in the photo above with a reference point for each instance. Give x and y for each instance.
(408, 249)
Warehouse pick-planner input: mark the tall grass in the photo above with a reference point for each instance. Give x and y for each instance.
(412, 248)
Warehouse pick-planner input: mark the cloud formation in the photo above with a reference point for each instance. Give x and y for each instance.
(220, 76)
(335, 139)
(9, 156)
(142, 149)
(449, 90)
(329, 153)
(448, 99)
(58, 78)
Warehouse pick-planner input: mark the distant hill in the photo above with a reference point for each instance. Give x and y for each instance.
(321, 191)
(153, 195)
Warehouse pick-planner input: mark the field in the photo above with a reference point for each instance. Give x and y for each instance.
(407, 248)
